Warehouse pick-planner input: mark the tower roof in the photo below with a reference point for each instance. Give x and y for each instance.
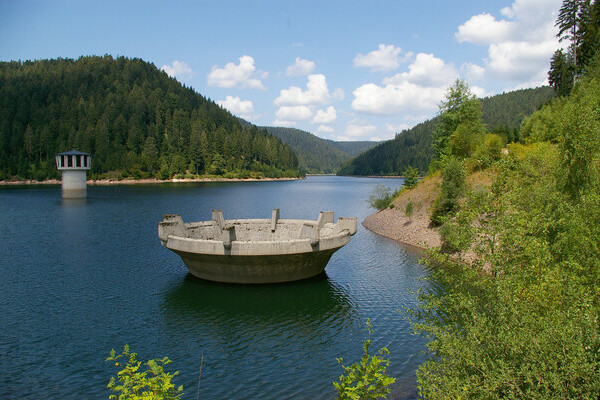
(73, 153)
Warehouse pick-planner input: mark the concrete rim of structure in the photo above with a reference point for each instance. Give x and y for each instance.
(256, 250)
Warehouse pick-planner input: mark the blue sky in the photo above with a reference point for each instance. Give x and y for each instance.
(343, 70)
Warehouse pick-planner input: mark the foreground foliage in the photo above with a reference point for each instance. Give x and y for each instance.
(152, 384)
(365, 379)
(523, 321)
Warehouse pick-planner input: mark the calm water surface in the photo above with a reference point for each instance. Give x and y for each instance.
(81, 277)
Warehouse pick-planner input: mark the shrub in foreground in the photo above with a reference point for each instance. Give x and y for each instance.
(366, 379)
(132, 384)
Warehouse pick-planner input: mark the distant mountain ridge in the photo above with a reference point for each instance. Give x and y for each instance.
(353, 148)
(317, 155)
(502, 114)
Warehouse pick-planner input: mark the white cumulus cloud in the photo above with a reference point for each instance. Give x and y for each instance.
(324, 129)
(485, 29)
(316, 93)
(520, 61)
(417, 91)
(405, 97)
(479, 92)
(426, 70)
(472, 72)
(520, 44)
(177, 68)
(294, 113)
(325, 116)
(385, 58)
(355, 130)
(300, 67)
(242, 75)
(241, 108)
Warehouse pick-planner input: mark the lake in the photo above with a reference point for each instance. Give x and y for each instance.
(82, 277)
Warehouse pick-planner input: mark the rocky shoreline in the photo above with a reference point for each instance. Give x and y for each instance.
(108, 182)
(415, 230)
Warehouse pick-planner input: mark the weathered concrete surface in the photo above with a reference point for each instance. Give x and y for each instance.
(256, 250)
(73, 166)
(74, 184)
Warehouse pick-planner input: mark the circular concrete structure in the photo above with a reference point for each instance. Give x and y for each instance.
(256, 250)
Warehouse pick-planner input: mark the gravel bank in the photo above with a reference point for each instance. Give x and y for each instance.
(415, 231)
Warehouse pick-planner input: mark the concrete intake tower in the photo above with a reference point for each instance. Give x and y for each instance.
(74, 166)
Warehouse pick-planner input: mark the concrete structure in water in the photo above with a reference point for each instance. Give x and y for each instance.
(256, 250)
(74, 166)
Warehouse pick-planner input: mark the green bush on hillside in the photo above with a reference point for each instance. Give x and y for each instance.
(382, 197)
(489, 151)
(453, 186)
(411, 177)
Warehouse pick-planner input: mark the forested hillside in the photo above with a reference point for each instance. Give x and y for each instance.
(502, 114)
(315, 155)
(133, 119)
(509, 109)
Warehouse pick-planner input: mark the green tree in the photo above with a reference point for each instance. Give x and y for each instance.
(580, 144)
(590, 39)
(543, 125)
(411, 177)
(150, 154)
(562, 71)
(28, 142)
(489, 151)
(570, 21)
(218, 165)
(466, 138)
(460, 109)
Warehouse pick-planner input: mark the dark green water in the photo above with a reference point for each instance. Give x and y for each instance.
(81, 277)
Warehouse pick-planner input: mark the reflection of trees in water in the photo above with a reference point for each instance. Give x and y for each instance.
(310, 301)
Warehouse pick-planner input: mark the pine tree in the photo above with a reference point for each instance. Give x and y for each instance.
(571, 17)
(561, 73)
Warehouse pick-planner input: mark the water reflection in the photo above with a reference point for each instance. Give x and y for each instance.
(241, 330)
(74, 202)
(312, 300)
